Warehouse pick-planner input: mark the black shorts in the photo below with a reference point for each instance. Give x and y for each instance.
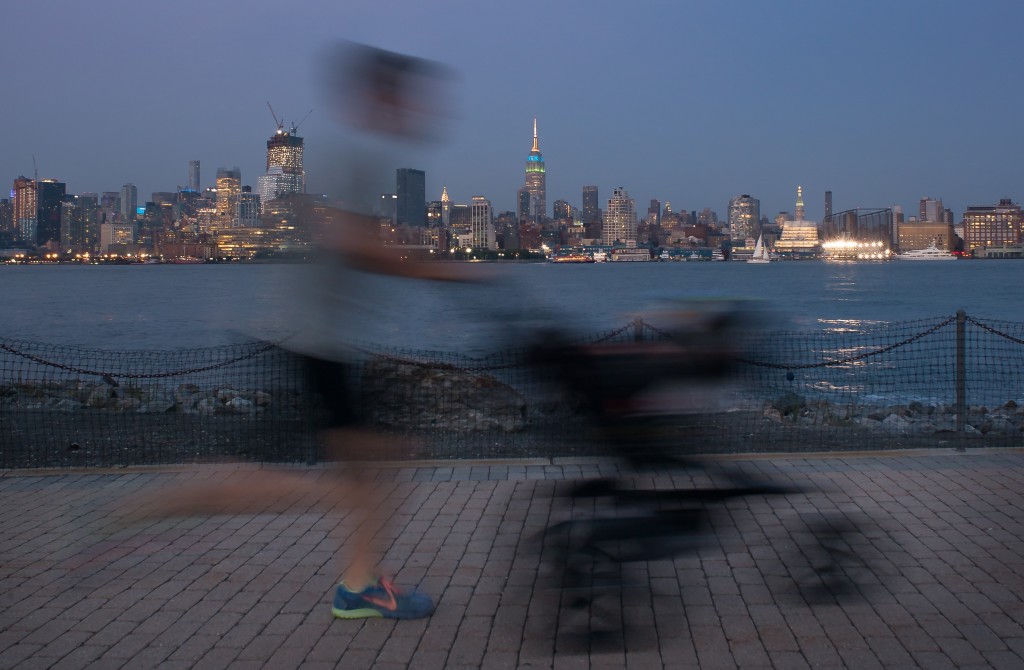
(333, 382)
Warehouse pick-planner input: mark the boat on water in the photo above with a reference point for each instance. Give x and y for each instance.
(760, 252)
(717, 255)
(929, 253)
(186, 260)
(574, 257)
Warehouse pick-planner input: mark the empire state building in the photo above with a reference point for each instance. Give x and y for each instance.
(536, 180)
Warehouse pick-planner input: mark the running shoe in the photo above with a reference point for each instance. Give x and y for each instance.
(380, 600)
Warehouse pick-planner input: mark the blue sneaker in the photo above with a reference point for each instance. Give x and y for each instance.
(380, 600)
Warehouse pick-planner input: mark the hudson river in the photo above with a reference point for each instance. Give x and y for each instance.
(186, 306)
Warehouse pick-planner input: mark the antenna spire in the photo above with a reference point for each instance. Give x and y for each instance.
(536, 144)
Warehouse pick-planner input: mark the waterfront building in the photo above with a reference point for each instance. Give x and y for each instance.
(992, 226)
(129, 202)
(921, 235)
(116, 234)
(90, 204)
(284, 151)
(481, 223)
(6, 217)
(72, 226)
(591, 207)
(862, 233)
(411, 205)
(229, 186)
(536, 179)
(744, 217)
(620, 219)
(50, 194)
(193, 176)
(799, 238)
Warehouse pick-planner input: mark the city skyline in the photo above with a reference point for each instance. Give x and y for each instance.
(711, 101)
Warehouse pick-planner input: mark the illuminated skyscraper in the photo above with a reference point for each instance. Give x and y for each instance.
(26, 209)
(284, 150)
(744, 218)
(446, 207)
(229, 186)
(411, 188)
(50, 194)
(620, 219)
(536, 179)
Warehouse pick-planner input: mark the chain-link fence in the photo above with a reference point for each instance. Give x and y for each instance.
(941, 382)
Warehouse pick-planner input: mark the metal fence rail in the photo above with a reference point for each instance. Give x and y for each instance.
(953, 381)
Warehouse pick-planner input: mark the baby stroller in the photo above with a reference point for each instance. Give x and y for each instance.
(647, 398)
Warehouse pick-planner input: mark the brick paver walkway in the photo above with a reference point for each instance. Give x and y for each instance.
(944, 586)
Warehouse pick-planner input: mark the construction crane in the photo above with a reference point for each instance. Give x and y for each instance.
(279, 122)
(295, 126)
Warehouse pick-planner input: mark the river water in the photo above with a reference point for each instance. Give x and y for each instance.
(162, 307)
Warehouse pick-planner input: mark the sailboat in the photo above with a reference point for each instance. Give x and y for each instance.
(760, 252)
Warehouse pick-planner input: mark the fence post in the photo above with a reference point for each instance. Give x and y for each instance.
(638, 329)
(961, 372)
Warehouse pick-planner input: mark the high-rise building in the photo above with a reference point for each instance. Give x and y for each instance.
(110, 206)
(654, 212)
(591, 206)
(800, 203)
(193, 176)
(129, 203)
(536, 179)
(523, 204)
(931, 209)
(620, 219)
(72, 226)
(284, 150)
(247, 211)
(26, 209)
(229, 186)
(481, 223)
(993, 226)
(51, 193)
(744, 218)
(562, 211)
(828, 205)
(411, 189)
(446, 207)
(6, 217)
(90, 204)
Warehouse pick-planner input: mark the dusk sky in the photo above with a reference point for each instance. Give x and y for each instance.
(881, 101)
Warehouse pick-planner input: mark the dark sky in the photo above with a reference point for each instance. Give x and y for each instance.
(881, 101)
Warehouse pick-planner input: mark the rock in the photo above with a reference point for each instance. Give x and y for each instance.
(207, 406)
(1010, 404)
(67, 405)
(916, 407)
(773, 414)
(262, 399)
(789, 403)
(184, 394)
(157, 406)
(896, 422)
(125, 404)
(240, 405)
(227, 395)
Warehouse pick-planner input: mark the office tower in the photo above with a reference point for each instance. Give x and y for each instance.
(26, 209)
(446, 207)
(523, 204)
(654, 212)
(50, 194)
(620, 219)
(993, 226)
(799, 203)
(591, 208)
(388, 206)
(229, 186)
(411, 189)
(193, 176)
(947, 216)
(6, 217)
(744, 215)
(284, 150)
(562, 211)
(247, 210)
(110, 206)
(930, 209)
(536, 179)
(72, 226)
(481, 224)
(90, 204)
(828, 205)
(129, 203)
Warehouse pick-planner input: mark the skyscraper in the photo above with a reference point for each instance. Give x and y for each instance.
(193, 176)
(536, 179)
(522, 204)
(744, 218)
(50, 194)
(411, 188)
(129, 202)
(591, 208)
(229, 186)
(828, 205)
(446, 206)
(931, 209)
(482, 226)
(26, 209)
(799, 203)
(620, 219)
(284, 150)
